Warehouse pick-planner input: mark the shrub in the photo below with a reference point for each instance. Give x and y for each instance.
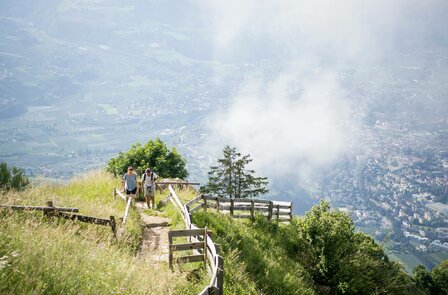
(12, 178)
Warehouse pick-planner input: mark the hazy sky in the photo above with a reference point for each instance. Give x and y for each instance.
(304, 117)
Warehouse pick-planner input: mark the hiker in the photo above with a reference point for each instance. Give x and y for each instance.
(149, 187)
(129, 183)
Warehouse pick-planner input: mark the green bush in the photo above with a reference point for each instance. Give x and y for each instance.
(318, 253)
(154, 154)
(435, 281)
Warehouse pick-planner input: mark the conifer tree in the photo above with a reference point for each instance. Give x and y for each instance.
(231, 178)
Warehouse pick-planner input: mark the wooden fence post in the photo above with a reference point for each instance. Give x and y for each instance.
(231, 207)
(290, 213)
(170, 255)
(205, 203)
(113, 225)
(220, 275)
(205, 247)
(270, 210)
(252, 209)
(49, 212)
(217, 204)
(278, 211)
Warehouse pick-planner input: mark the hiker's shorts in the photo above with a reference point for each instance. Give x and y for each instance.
(131, 192)
(150, 191)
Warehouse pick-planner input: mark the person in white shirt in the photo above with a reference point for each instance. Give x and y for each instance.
(149, 187)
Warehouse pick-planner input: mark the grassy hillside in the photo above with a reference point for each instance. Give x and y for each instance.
(316, 254)
(40, 255)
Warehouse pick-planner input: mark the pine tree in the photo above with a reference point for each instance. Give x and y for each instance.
(230, 177)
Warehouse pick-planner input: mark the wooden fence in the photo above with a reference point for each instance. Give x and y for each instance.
(200, 245)
(243, 208)
(67, 213)
(200, 241)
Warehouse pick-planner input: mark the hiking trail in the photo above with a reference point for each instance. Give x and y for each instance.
(154, 248)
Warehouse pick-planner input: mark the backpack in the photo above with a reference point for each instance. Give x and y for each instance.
(152, 177)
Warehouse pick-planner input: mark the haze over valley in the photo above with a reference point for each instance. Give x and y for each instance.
(346, 102)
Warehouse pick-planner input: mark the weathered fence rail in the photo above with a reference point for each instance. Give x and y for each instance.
(66, 213)
(89, 219)
(243, 208)
(200, 245)
(208, 251)
(126, 199)
(39, 208)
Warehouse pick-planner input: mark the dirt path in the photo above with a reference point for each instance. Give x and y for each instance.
(154, 248)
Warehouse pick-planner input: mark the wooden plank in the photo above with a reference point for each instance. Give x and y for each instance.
(252, 209)
(189, 258)
(83, 218)
(210, 259)
(256, 201)
(220, 274)
(261, 209)
(127, 210)
(290, 212)
(177, 182)
(121, 194)
(205, 245)
(288, 207)
(242, 201)
(270, 211)
(195, 200)
(186, 232)
(175, 197)
(232, 206)
(40, 208)
(211, 247)
(170, 254)
(113, 225)
(187, 246)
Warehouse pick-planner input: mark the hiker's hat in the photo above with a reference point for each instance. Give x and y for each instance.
(130, 168)
(147, 170)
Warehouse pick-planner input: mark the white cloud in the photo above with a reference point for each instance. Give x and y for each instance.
(304, 129)
(288, 129)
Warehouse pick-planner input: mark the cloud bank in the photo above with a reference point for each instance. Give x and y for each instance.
(302, 117)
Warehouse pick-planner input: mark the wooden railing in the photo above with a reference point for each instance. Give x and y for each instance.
(208, 249)
(64, 212)
(201, 246)
(127, 200)
(238, 208)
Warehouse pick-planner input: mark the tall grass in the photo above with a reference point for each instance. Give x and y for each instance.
(40, 255)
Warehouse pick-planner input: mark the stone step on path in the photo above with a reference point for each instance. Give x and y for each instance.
(155, 247)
